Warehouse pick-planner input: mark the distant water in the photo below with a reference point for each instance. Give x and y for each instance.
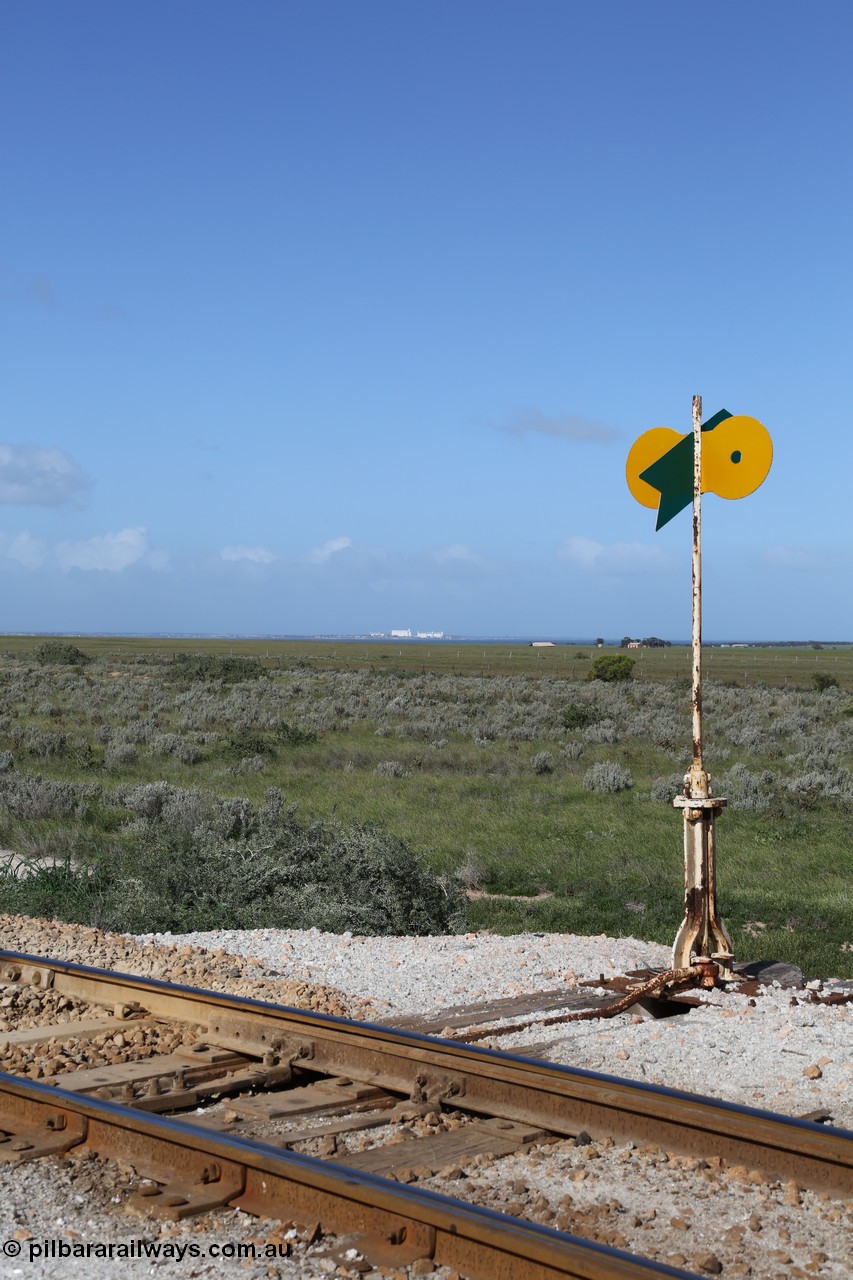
(341, 637)
(368, 638)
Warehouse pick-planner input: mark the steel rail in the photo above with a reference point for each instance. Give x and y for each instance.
(559, 1098)
(393, 1224)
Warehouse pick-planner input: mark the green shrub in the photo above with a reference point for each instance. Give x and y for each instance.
(212, 666)
(244, 743)
(577, 715)
(292, 735)
(60, 652)
(611, 667)
(822, 681)
(247, 869)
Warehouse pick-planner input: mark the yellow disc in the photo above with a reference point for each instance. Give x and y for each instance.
(736, 457)
(650, 446)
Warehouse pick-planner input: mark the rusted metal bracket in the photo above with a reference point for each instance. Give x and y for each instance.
(434, 1091)
(399, 1246)
(58, 1132)
(26, 975)
(702, 936)
(218, 1183)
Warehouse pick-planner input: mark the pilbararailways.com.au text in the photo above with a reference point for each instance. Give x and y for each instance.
(154, 1250)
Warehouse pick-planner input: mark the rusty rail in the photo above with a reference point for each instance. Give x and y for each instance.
(673, 979)
(393, 1224)
(482, 1081)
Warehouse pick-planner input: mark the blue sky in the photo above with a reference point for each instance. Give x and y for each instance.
(338, 317)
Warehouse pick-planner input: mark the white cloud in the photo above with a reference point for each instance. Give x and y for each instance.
(110, 552)
(33, 476)
(322, 555)
(618, 557)
(568, 426)
(27, 550)
(257, 555)
(808, 558)
(456, 553)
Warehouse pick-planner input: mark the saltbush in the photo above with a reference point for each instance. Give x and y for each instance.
(228, 865)
(390, 769)
(828, 784)
(755, 792)
(120, 754)
(42, 743)
(666, 788)
(607, 776)
(293, 735)
(27, 796)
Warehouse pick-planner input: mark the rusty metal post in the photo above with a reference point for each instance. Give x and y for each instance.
(702, 935)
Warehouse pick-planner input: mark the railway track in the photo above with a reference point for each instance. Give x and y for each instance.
(212, 1121)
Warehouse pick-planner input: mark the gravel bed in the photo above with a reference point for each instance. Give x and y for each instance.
(776, 1049)
(765, 1051)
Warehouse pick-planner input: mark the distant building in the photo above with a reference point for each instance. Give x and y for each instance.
(430, 635)
(402, 635)
(636, 644)
(541, 644)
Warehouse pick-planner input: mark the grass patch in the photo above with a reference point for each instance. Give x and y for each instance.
(473, 756)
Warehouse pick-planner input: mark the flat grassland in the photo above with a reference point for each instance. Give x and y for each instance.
(544, 794)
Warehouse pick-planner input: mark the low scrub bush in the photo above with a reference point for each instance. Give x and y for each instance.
(611, 667)
(120, 754)
(57, 652)
(577, 715)
(754, 792)
(245, 743)
(604, 733)
(665, 789)
(607, 776)
(293, 735)
(212, 666)
(229, 865)
(827, 784)
(390, 769)
(43, 743)
(27, 796)
(250, 764)
(542, 762)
